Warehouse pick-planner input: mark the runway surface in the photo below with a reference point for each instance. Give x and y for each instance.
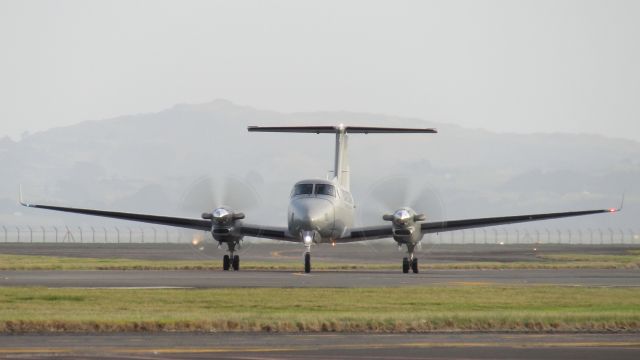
(323, 346)
(287, 279)
(317, 346)
(380, 252)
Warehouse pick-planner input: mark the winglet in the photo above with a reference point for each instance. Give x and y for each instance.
(20, 199)
(620, 207)
(621, 203)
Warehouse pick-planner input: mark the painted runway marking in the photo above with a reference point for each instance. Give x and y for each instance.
(471, 283)
(125, 287)
(428, 344)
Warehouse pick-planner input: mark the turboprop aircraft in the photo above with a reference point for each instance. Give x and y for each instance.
(322, 211)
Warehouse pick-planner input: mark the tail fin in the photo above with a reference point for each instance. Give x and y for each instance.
(341, 166)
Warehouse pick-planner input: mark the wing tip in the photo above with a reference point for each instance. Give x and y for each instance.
(620, 207)
(21, 198)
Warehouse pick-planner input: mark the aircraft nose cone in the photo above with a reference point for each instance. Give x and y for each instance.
(309, 211)
(310, 214)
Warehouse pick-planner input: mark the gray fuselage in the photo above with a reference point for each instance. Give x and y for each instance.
(320, 208)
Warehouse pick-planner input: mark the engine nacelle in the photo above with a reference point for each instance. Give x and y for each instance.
(406, 227)
(225, 224)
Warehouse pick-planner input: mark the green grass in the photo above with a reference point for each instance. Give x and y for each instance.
(631, 260)
(423, 309)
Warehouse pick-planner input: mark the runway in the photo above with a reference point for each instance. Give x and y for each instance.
(333, 279)
(323, 346)
(316, 346)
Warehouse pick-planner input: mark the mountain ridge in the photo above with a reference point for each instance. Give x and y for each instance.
(146, 161)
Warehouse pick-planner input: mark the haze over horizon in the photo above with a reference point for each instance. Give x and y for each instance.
(291, 115)
(149, 162)
(531, 66)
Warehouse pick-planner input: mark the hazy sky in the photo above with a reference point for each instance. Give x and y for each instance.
(522, 66)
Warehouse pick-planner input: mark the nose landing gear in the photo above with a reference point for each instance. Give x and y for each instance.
(307, 240)
(307, 262)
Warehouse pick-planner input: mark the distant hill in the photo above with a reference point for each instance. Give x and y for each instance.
(147, 162)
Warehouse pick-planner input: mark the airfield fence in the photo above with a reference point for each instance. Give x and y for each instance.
(157, 235)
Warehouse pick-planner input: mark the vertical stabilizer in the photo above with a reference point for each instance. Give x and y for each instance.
(341, 165)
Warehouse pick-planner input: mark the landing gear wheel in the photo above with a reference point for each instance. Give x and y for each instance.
(225, 263)
(405, 265)
(307, 263)
(414, 266)
(236, 262)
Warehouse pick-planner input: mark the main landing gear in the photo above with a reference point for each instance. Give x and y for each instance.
(410, 262)
(231, 260)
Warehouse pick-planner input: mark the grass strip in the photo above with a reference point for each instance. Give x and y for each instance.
(423, 309)
(563, 261)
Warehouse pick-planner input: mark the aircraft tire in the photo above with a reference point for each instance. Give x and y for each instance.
(405, 265)
(225, 263)
(307, 263)
(236, 263)
(414, 266)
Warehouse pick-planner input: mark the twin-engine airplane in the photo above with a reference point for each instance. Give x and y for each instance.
(322, 211)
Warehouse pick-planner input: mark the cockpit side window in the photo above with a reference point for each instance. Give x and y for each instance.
(325, 189)
(303, 189)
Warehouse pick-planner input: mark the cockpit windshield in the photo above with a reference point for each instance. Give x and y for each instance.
(325, 189)
(303, 189)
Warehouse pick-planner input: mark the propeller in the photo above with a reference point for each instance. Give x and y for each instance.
(389, 198)
(208, 193)
(217, 199)
(400, 191)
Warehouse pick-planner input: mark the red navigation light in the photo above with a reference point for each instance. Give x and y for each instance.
(613, 210)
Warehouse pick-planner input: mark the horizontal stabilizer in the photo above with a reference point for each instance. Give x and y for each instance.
(339, 128)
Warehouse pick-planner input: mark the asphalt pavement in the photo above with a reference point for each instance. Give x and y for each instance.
(333, 279)
(322, 346)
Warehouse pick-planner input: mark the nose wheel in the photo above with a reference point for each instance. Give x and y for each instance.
(307, 263)
(409, 264)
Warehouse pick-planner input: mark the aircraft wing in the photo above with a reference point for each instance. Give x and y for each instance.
(367, 233)
(386, 231)
(268, 232)
(195, 224)
(441, 226)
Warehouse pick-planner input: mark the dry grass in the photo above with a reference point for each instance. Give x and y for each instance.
(32, 262)
(443, 308)
(564, 261)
